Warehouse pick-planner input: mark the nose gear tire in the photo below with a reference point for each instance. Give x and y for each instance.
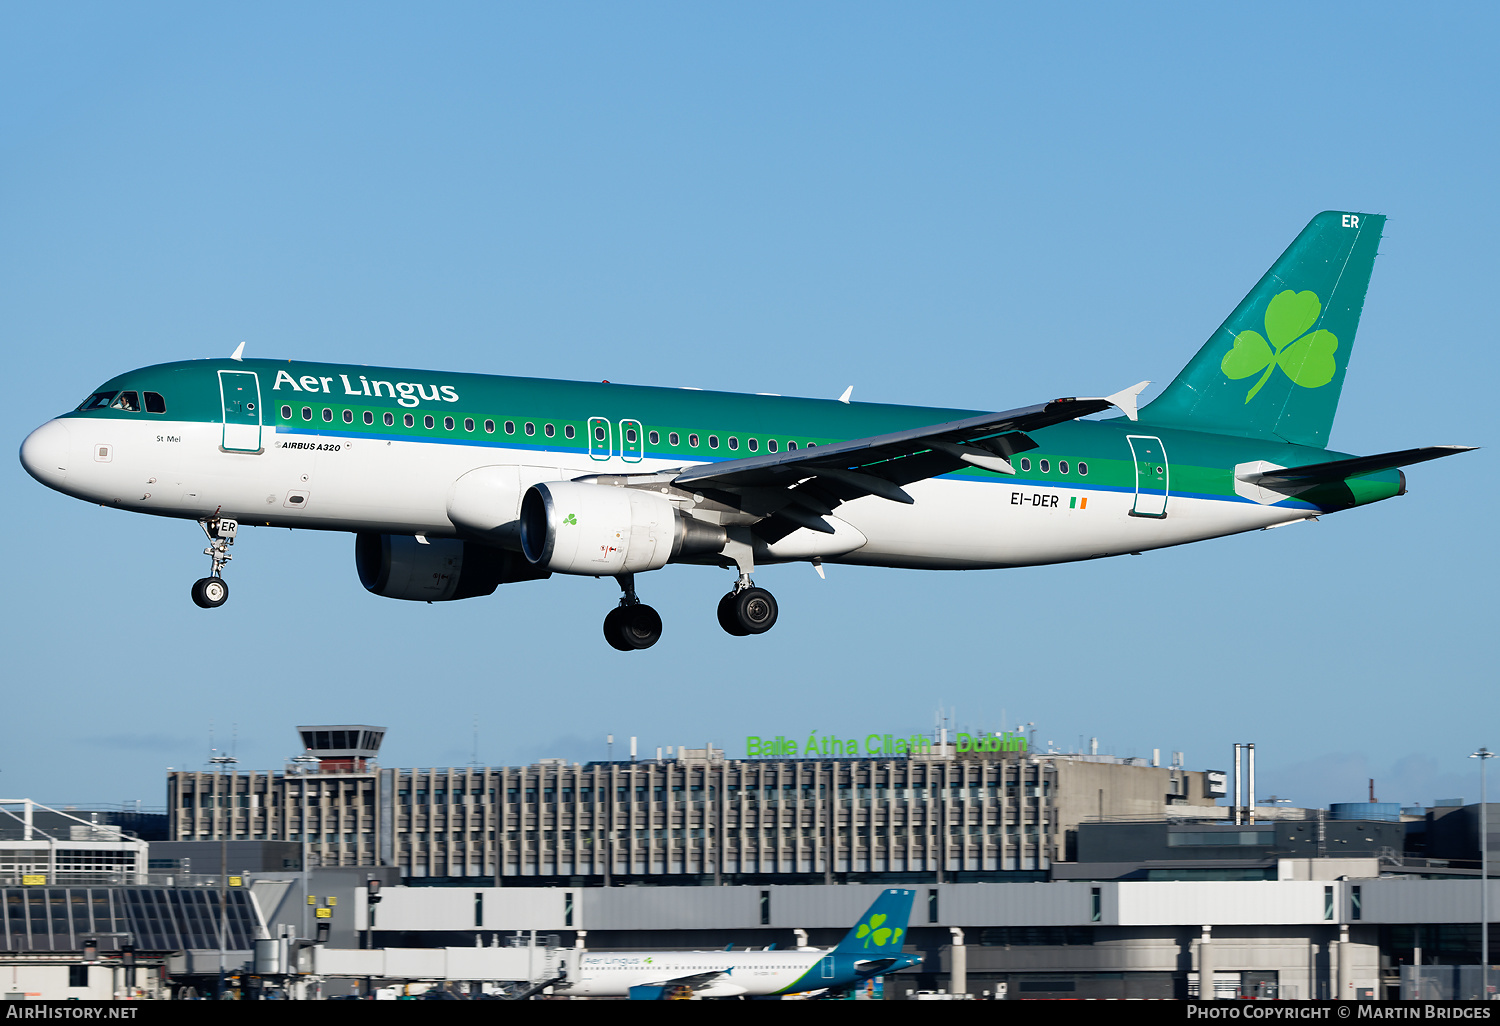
(210, 592)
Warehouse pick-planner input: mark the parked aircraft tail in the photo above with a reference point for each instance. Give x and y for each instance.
(1275, 367)
(881, 930)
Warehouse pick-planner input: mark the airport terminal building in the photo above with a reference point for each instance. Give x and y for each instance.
(693, 817)
(1034, 875)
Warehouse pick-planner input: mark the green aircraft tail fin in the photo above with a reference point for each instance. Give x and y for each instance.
(882, 927)
(1275, 367)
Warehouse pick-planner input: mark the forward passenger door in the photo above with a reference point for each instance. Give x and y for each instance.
(239, 395)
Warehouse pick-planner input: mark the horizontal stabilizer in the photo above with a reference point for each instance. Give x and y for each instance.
(1340, 470)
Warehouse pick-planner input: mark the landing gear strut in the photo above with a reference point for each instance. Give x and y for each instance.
(632, 624)
(747, 609)
(211, 592)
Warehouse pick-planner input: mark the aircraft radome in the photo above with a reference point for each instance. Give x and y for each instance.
(454, 484)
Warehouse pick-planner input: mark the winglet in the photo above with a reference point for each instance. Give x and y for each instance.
(1126, 398)
(239, 352)
(847, 393)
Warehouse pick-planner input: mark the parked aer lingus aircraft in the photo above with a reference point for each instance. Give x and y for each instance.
(457, 483)
(871, 948)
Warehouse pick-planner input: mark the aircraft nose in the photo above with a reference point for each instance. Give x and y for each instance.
(44, 454)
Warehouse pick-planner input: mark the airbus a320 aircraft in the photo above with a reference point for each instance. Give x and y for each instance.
(457, 483)
(871, 948)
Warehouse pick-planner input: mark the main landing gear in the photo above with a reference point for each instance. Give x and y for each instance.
(212, 592)
(632, 624)
(747, 609)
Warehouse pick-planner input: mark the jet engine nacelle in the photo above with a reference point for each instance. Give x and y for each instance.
(399, 566)
(575, 527)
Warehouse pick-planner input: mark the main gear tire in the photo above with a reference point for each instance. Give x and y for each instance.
(755, 610)
(640, 627)
(728, 619)
(614, 631)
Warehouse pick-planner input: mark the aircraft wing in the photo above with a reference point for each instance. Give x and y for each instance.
(714, 984)
(799, 487)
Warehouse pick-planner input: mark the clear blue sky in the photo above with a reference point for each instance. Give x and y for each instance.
(975, 205)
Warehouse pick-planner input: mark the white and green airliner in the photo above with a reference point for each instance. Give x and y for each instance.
(454, 484)
(871, 948)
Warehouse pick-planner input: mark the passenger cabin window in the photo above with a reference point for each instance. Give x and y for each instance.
(286, 413)
(530, 428)
(307, 413)
(156, 404)
(447, 423)
(653, 438)
(1046, 467)
(408, 420)
(348, 416)
(369, 417)
(327, 415)
(1025, 463)
(510, 427)
(771, 445)
(489, 427)
(672, 438)
(389, 419)
(1062, 466)
(693, 441)
(753, 444)
(568, 431)
(428, 422)
(549, 430)
(1083, 469)
(713, 441)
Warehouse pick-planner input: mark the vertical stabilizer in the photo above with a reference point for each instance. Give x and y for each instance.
(881, 929)
(1275, 367)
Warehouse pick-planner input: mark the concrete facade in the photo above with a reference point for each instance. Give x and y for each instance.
(940, 817)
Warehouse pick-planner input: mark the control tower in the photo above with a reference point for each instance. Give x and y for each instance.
(341, 748)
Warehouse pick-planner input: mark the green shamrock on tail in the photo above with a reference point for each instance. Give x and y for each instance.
(1305, 358)
(879, 936)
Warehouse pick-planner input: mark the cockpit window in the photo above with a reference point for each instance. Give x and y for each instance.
(155, 403)
(97, 401)
(130, 402)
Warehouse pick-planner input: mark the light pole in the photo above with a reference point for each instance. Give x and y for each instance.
(1483, 755)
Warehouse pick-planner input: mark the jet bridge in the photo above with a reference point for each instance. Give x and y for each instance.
(532, 964)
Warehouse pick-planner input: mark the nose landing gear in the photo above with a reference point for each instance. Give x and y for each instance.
(211, 592)
(632, 624)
